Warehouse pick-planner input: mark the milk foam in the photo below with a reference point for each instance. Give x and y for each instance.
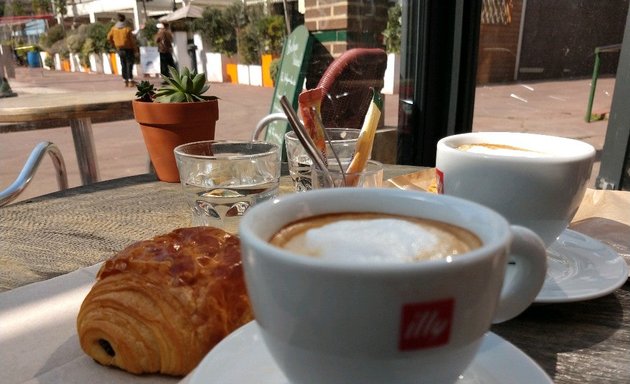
(377, 240)
(501, 151)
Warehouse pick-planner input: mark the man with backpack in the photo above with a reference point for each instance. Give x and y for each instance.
(122, 38)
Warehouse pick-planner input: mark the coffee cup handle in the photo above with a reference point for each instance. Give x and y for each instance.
(529, 254)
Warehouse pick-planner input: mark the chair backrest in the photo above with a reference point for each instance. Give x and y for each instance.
(30, 167)
(296, 56)
(347, 82)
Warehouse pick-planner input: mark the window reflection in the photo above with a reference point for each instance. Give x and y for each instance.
(534, 69)
(537, 67)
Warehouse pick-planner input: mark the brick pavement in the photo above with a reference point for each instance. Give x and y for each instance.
(555, 108)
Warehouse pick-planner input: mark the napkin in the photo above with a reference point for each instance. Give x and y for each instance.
(605, 203)
(38, 337)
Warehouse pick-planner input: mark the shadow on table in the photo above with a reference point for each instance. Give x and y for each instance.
(100, 186)
(545, 330)
(610, 232)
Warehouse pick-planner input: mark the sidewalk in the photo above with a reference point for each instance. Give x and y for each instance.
(555, 108)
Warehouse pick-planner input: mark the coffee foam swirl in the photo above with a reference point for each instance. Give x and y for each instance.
(380, 239)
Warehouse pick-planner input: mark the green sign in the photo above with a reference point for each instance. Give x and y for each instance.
(296, 55)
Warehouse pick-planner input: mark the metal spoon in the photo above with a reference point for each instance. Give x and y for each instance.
(332, 148)
(304, 138)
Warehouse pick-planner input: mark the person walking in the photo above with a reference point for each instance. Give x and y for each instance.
(164, 40)
(122, 38)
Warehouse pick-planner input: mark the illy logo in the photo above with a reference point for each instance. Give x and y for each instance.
(425, 325)
(439, 177)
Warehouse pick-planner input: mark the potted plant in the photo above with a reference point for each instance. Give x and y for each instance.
(174, 114)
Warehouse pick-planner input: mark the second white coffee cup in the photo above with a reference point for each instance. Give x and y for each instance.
(537, 181)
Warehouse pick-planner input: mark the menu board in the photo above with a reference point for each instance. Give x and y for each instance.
(296, 55)
(150, 60)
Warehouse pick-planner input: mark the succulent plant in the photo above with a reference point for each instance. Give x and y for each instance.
(187, 86)
(146, 91)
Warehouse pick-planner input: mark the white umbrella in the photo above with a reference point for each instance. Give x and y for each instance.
(186, 12)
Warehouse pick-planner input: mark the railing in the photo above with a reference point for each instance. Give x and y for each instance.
(605, 49)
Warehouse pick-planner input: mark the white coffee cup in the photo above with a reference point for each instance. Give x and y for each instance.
(540, 188)
(336, 321)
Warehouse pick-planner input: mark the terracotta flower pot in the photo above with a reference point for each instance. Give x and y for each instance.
(167, 125)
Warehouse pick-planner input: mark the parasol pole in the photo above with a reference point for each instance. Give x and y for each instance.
(144, 7)
(286, 17)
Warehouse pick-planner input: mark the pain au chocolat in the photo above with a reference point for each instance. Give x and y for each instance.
(160, 305)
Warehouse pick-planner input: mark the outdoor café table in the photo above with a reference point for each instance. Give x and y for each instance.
(49, 247)
(79, 108)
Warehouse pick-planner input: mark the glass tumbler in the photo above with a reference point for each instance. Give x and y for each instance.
(221, 179)
(333, 177)
(343, 142)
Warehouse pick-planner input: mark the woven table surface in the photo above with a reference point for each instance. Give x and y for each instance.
(61, 232)
(68, 230)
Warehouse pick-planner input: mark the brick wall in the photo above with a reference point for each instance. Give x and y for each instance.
(339, 25)
(498, 46)
(344, 24)
(559, 38)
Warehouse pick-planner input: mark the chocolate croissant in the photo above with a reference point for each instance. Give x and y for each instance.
(160, 305)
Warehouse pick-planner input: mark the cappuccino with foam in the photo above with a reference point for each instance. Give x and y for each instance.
(374, 237)
(500, 150)
(362, 309)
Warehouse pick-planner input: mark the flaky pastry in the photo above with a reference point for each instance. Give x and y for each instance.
(160, 305)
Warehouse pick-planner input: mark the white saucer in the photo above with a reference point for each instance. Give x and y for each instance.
(581, 268)
(243, 358)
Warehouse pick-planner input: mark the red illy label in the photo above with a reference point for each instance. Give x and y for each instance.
(439, 179)
(425, 325)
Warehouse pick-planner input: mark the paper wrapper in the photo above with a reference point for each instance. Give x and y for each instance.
(418, 181)
(603, 214)
(39, 338)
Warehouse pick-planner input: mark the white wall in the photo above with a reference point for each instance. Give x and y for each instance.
(200, 53)
(180, 49)
(391, 84)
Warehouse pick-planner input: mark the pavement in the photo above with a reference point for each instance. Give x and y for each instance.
(550, 107)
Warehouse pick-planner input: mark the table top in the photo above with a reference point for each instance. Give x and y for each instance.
(581, 342)
(89, 224)
(70, 105)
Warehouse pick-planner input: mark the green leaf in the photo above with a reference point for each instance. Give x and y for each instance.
(198, 82)
(178, 98)
(377, 98)
(188, 84)
(172, 71)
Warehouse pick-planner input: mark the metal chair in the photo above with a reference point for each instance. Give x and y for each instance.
(28, 171)
(265, 121)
